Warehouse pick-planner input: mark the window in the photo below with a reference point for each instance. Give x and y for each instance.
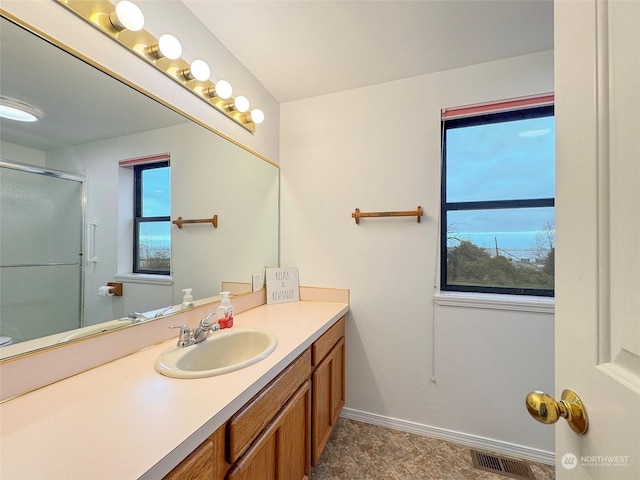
(152, 223)
(498, 216)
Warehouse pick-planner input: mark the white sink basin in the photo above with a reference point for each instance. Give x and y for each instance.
(223, 352)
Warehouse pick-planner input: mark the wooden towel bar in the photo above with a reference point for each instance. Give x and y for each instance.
(213, 221)
(412, 213)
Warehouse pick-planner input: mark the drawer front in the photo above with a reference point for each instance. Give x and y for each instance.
(325, 343)
(245, 425)
(282, 449)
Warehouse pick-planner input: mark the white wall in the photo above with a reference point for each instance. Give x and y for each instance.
(378, 149)
(17, 153)
(60, 23)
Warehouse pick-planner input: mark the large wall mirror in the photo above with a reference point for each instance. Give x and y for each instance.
(67, 200)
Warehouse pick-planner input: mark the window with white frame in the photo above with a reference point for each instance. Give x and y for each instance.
(497, 199)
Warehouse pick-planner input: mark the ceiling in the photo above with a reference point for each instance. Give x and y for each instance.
(80, 103)
(296, 49)
(305, 48)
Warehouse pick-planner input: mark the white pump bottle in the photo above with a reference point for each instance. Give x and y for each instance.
(187, 299)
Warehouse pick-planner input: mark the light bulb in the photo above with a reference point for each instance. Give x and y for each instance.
(19, 111)
(223, 89)
(198, 70)
(241, 104)
(257, 116)
(127, 16)
(170, 46)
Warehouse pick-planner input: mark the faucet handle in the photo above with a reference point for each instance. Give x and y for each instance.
(161, 312)
(185, 338)
(205, 321)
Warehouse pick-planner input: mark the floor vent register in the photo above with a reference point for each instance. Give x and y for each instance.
(501, 465)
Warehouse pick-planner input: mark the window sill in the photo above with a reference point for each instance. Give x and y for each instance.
(144, 278)
(488, 301)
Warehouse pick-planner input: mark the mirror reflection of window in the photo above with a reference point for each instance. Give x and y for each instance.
(152, 205)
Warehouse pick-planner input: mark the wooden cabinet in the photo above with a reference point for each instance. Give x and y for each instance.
(251, 419)
(282, 450)
(268, 438)
(197, 466)
(281, 431)
(328, 391)
(206, 462)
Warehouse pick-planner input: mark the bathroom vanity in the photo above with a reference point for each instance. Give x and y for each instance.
(125, 420)
(282, 431)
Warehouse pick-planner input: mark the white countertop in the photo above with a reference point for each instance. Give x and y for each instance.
(123, 420)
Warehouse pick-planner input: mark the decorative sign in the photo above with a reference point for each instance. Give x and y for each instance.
(282, 285)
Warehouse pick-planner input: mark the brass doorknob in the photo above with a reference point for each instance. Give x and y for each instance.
(545, 409)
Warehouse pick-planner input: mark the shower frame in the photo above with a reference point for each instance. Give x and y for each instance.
(43, 170)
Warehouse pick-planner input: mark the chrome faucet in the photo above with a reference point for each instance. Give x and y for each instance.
(205, 328)
(188, 337)
(163, 311)
(137, 317)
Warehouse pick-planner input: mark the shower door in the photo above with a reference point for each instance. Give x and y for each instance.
(41, 240)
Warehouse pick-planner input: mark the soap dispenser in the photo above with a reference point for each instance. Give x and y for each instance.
(187, 300)
(225, 311)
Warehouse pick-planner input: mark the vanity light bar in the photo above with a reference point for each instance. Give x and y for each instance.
(103, 15)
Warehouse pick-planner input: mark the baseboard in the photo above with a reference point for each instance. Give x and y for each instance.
(495, 446)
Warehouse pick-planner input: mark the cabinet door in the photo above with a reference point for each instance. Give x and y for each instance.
(197, 466)
(327, 398)
(207, 462)
(254, 417)
(258, 462)
(294, 438)
(281, 452)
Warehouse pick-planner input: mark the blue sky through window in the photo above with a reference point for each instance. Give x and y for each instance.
(156, 202)
(156, 195)
(501, 161)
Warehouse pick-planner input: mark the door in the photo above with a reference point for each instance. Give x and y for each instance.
(597, 334)
(41, 271)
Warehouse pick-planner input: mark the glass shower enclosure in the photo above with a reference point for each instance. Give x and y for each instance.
(41, 251)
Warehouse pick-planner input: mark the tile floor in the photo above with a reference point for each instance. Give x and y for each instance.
(360, 451)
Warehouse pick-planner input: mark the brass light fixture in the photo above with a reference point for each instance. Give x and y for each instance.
(124, 23)
(168, 46)
(127, 16)
(199, 70)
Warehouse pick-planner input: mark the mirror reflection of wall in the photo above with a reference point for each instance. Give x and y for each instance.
(91, 123)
